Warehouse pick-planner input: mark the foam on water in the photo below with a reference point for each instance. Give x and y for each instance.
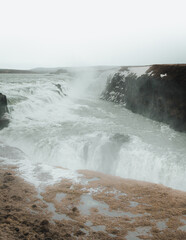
(39, 174)
(69, 127)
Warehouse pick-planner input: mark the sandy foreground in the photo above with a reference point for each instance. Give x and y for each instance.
(99, 207)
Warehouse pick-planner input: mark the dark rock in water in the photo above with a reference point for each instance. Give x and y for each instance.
(60, 89)
(3, 110)
(3, 105)
(159, 94)
(120, 138)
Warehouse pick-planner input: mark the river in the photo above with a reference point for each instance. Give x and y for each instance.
(59, 121)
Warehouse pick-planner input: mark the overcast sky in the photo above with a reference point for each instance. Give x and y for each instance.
(52, 33)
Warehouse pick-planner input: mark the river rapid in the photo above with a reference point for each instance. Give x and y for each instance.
(59, 121)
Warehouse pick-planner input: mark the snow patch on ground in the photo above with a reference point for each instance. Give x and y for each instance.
(163, 75)
(139, 70)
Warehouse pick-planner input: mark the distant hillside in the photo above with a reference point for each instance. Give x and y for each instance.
(45, 70)
(15, 71)
(57, 70)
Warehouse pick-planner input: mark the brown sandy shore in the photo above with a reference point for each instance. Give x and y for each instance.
(99, 207)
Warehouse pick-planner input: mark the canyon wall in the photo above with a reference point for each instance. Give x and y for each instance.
(159, 93)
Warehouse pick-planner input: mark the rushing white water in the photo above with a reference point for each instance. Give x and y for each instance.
(59, 121)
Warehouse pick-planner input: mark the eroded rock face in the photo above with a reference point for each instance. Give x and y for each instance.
(3, 110)
(159, 94)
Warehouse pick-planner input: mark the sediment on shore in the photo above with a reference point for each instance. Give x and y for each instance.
(99, 206)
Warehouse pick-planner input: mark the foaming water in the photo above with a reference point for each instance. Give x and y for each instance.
(59, 121)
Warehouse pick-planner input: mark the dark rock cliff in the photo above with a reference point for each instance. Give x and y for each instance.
(3, 110)
(159, 94)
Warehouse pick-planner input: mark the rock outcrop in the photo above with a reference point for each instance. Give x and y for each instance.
(160, 93)
(3, 110)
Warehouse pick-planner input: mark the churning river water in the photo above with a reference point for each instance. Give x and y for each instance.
(60, 121)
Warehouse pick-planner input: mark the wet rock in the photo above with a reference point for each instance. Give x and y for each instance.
(44, 222)
(6, 221)
(25, 223)
(74, 209)
(67, 235)
(3, 110)
(1, 219)
(44, 229)
(120, 138)
(22, 237)
(8, 208)
(7, 174)
(44, 226)
(184, 212)
(114, 231)
(60, 89)
(16, 198)
(4, 186)
(3, 104)
(79, 233)
(8, 179)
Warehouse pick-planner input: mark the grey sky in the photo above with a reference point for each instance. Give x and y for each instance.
(91, 32)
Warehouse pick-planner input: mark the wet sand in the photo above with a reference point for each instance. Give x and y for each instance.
(98, 207)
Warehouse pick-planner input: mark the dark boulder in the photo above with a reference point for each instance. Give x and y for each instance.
(3, 110)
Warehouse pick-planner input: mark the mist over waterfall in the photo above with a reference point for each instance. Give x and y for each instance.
(60, 121)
